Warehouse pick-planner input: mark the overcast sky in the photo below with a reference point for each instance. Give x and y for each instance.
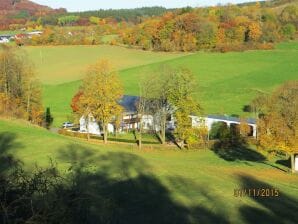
(83, 5)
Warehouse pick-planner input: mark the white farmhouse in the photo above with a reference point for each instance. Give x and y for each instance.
(130, 119)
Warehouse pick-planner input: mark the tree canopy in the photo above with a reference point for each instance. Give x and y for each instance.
(100, 94)
(20, 92)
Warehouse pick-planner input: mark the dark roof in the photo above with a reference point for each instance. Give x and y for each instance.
(129, 103)
(232, 119)
(6, 36)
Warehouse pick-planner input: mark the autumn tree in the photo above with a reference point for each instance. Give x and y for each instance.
(171, 94)
(182, 90)
(75, 106)
(20, 92)
(289, 31)
(157, 88)
(68, 20)
(142, 105)
(290, 15)
(278, 126)
(254, 31)
(102, 91)
(244, 128)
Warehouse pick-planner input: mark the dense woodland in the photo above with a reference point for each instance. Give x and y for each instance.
(224, 28)
(219, 28)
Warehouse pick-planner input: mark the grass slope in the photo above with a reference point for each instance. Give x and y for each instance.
(227, 82)
(56, 65)
(197, 186)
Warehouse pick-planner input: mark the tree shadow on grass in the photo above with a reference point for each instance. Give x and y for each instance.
(210, 207)
(117, 187)
(239, 152)
(279, 209)
(230, 145)
(122, 190)
(284, 162)
(7, 142)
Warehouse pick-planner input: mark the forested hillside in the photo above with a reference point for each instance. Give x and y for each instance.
(133, 15)
(15, 14)
(10, 5)
(219, 28)
(223, 28)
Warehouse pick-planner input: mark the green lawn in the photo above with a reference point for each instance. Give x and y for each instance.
(226, 82)
(162, 186)
(11, 32)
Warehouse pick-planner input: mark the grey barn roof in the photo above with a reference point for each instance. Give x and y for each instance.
(232, 119)
(129, 103)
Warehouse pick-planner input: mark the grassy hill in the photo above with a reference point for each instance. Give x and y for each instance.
(162, 185)
(227, 81)
(61, 64)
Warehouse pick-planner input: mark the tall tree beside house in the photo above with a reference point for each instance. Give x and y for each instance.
(145, 104)
(182, 89)
(20, 92)
(102, 91)
(278, 124)
(141, 107)
(171, 93)
(157, 88)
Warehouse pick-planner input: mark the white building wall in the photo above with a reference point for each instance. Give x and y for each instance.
(147, 121)
(208, 122)
(296, 163)
(111, 128)
(91, 127)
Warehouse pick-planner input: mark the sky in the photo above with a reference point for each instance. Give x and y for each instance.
(83, 5)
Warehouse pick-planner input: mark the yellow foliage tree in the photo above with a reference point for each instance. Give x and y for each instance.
(244, 128)
(278, 127)
(254, 31)
(102, 91)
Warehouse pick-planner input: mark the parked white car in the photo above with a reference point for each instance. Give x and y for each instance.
(67, 125)
(4, 40)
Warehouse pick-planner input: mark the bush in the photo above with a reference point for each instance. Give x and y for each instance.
(289, 31)
(70, 133)
(228, 47)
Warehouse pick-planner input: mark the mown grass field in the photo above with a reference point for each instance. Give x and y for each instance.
(61, 64)
(170, 185)
(226, 82)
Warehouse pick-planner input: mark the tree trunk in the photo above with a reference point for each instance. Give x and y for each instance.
(163, 133)
(116, 132)
(105, 136)
(140, 140)
(87, 125)
(140, 135)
